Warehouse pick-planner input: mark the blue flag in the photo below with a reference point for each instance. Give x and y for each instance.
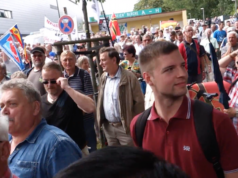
(224, 98)
(8, 46)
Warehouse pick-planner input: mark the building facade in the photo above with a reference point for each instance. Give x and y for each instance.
(29, 14)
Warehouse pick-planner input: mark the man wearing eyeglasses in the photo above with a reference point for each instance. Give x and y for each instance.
(4, 149)
(63, 106)
(193, 56)
(34, 74)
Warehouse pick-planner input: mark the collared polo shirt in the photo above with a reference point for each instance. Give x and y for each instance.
(177, 141)
(191, 54)
(110, 97)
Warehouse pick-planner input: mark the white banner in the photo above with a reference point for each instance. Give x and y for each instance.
(51, 25)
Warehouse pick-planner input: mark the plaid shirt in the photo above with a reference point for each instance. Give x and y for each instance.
(230, 76)
(8, 174)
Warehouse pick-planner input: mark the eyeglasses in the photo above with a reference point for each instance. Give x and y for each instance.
(37, 55)
(45, 82)
(147, 40)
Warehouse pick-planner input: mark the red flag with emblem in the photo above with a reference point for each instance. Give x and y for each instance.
(114, 27)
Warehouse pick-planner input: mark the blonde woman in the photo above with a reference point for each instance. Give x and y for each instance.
(83, 63)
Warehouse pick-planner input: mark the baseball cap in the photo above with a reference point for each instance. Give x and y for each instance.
(37, 49)
(52, 54)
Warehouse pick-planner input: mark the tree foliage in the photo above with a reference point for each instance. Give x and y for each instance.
(212, 7)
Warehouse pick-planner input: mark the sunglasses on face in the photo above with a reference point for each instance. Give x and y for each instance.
(37, 55)
(45, 82)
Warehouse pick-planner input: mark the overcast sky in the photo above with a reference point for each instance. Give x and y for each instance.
(116, 6)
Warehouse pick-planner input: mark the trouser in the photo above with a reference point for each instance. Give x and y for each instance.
(195, 78)
(90, 134)
(116, 135)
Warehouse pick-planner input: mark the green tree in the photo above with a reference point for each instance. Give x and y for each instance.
(212, 7)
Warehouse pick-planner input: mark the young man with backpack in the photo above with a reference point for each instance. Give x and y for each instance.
(191, 134)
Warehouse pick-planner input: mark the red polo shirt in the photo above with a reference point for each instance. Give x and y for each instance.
(177, 141)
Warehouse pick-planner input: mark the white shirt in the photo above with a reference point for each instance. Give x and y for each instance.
(110, 99)
(205, 44)
(138, 48)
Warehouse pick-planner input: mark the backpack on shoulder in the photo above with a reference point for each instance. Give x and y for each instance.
(204, 129)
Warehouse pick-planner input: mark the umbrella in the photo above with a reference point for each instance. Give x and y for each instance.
(224, 98)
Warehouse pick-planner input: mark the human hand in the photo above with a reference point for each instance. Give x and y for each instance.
(63, 82)
(234, 53)
(231, 112)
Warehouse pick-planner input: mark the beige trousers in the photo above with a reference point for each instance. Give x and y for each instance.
(116, 135)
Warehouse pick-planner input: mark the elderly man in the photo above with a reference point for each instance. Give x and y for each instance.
(119, 100)
(34, 73)
(192, 55)
(213, 28)
(63, 106)
(37, 149)
(231, 46)
(147, 39)
(202, 33)
(80, 80)
(205, 42)
(4, 149)
(138, 45)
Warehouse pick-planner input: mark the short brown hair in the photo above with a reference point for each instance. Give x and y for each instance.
(52, 65)
(151, 52)
(111, 53)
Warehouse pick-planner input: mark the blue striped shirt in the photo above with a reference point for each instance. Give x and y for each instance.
(76, 83)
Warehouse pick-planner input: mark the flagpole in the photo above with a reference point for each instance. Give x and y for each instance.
(107, 23)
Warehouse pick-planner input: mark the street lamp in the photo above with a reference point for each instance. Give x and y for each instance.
(235, 6)
(203, 14)
(189, 15)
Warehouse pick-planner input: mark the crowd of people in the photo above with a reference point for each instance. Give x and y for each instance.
(49, 117)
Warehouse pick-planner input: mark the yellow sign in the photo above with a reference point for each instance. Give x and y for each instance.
(165, 24)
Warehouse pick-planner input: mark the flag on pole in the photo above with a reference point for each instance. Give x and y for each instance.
(114, 27)
(9, 48)
(96, 10)
(16, 33)
(25, 56)
(223, 98)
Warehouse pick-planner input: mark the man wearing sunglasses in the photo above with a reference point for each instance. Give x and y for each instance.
(4, 149)
(34, 74)
(63, 106)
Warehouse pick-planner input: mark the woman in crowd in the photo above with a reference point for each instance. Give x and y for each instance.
(231, 76)
(130, 63)
(83, 63)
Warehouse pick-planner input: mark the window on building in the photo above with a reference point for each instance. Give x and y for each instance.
(5, 14)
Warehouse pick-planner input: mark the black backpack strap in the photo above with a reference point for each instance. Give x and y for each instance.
(206, 135)
(140, 126)
(81, 75)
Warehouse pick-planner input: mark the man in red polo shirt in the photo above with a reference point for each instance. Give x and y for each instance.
(170, 131)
